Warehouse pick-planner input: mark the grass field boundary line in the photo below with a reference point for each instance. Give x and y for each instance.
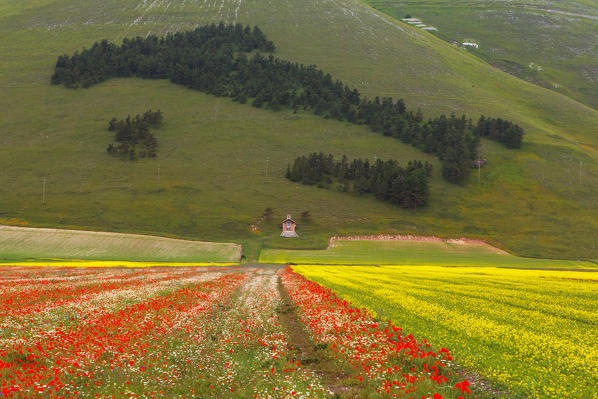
(549, 269)
(447, 266)
(70, 263)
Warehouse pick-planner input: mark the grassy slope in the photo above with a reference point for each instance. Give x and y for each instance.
(414, 254)
(213, 151)
(20, 242)
(558, 36)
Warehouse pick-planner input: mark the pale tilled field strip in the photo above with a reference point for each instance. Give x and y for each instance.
(19, 242)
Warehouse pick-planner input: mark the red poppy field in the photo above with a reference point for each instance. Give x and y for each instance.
(203, 332)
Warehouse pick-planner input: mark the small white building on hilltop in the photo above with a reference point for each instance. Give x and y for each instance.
(471, 44)
(418, 23)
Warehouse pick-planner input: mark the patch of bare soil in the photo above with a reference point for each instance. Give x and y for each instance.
(482, 388)
(414, 238)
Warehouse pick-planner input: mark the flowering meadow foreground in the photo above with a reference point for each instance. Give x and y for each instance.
(203, 332)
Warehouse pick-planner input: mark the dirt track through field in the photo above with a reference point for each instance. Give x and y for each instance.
(309, 354)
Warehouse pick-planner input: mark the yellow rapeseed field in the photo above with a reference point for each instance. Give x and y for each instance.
(533, 331)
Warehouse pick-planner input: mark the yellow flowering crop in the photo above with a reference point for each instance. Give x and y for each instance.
(533, 331)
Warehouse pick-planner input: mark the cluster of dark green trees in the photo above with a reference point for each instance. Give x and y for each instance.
(387, 180)
(206, 49)
(214, 59)
(500, 130)
(133, 132)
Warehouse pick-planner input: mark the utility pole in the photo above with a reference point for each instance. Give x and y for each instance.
(158, 177)
(44, 192)
(267, 168)
(479, 166)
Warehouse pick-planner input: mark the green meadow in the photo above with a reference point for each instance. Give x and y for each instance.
(221, 164)
(550, 43)
(414, 253)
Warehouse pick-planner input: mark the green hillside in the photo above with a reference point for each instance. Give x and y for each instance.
(550, 43)
(212, 151)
